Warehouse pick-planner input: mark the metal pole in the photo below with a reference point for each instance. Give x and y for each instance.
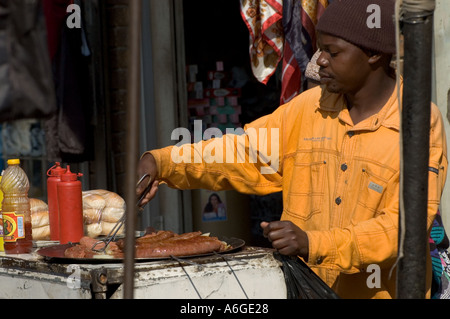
(133, 91)
(411, 273)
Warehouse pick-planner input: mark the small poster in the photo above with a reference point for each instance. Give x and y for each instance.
(213, 204)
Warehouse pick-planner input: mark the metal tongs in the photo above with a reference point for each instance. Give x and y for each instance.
(146, 190)
(112, 234)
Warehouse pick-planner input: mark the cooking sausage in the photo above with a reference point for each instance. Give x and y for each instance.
(148, 239)
(89, 242)
(155, 237)
(185, 236)
(78, 251)
(192, 246)
(154, 245)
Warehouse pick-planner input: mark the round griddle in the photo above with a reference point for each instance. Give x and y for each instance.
(55, 254)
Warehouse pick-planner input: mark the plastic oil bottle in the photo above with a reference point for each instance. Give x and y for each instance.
(16, 214)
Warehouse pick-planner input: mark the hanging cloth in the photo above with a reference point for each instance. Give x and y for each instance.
(299, 20)
(67, 131)
(282, 30)
(263, 20)
(440, 260)
(26, 84)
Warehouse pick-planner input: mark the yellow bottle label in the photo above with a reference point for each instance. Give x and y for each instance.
(2, 247)
(13, 227)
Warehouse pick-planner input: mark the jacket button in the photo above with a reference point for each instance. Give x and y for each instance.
(350, 133)
(338, 201)
(319, 260)
(344, 167)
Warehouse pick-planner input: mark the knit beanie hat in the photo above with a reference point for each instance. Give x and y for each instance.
(368, 24)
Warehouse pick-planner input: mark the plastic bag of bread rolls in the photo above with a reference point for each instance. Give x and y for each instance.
(40, 223)
(102, 209)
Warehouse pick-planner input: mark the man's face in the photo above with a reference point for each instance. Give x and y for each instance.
(343, 66)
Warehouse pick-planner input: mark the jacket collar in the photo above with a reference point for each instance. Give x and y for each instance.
(388, 116)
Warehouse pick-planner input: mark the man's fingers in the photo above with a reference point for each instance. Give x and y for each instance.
(142, 185)
(267, 228)
(153, 190)
(151, 193)
(272, 231)
(264, 226)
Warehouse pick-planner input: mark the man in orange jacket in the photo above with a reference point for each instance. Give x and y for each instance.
(337, 157)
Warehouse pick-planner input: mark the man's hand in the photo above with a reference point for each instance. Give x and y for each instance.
(287, 238)
(147, 165)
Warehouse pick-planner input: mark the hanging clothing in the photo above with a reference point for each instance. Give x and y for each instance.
(284, 31)
(68, 130)
(55, 17)
(26, 85)
(440, 260)
(263, 20)
(299, 20)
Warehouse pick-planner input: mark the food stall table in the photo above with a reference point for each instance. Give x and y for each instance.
(251, 272)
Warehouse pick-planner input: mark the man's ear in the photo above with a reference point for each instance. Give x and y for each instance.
(374, 57)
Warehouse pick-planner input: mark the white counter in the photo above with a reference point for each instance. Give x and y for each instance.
(250, 273)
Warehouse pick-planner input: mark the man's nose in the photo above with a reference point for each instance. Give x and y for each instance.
(322, 60)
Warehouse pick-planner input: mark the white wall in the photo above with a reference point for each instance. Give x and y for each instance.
(442, 84)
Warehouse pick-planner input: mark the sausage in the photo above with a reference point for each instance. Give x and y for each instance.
(148, 239)
(192, 246)
(89, 242)
(186, 236)
(84, 248)
(78, 251)
(154, 245)
(155, 237)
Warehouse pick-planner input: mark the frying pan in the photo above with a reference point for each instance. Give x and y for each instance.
(56, 254)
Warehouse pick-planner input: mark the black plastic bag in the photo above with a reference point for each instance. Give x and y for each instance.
(301, 281)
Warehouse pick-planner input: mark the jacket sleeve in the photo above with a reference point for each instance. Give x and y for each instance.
(375, 241)
(247, 161)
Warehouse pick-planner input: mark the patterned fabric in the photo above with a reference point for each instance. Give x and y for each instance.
(299, 20)
(440, 260)
(263, 20)
(294, 54)
(282, 30)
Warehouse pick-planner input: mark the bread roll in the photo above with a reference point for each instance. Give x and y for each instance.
(100, 192)
(93, 230)
(112, 214)
(93, 201)
(91, 215)
(102, 209)
(107, 227)
(39, 219)
(111, 199)
(37, 205)
(114, 200)
(41, 233)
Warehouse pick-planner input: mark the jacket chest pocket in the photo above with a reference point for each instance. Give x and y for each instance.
(371, 191)
(306, 193)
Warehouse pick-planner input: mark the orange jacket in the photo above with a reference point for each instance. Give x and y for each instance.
(340, 181)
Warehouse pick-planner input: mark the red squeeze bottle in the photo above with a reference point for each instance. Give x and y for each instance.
(54, 177)
(70, 204)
